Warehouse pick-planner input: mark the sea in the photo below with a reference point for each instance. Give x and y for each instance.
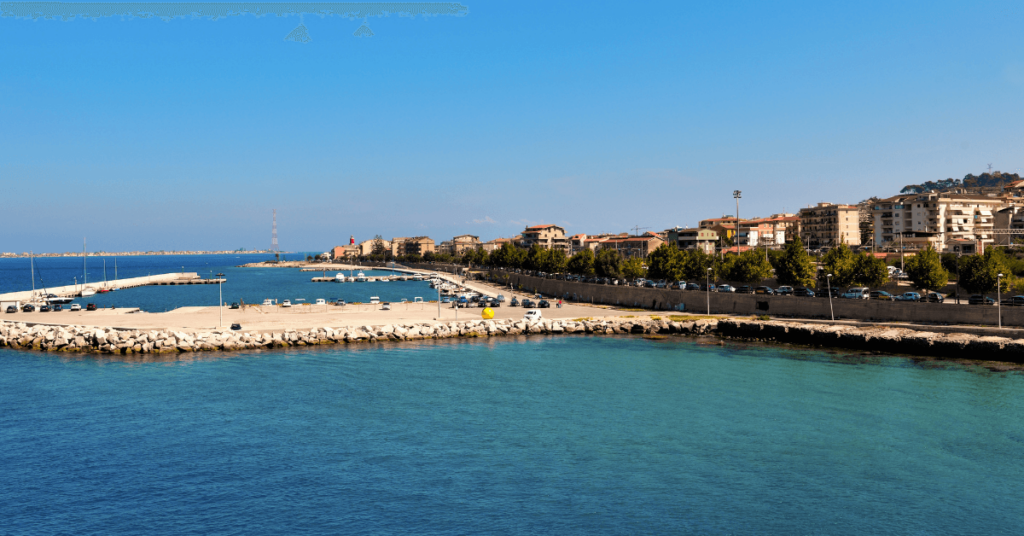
(519, 435)
(242, 285)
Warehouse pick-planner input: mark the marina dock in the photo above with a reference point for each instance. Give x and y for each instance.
(179, 278)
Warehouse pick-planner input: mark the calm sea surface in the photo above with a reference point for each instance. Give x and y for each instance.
(251, 285)
(569, 435)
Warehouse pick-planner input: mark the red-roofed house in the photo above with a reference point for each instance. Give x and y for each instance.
(545, 236)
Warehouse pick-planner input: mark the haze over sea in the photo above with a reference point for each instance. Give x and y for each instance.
(570, 435)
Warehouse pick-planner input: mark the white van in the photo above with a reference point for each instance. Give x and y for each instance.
(533, 315)
(858, 293)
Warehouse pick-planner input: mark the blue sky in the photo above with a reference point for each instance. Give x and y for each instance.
(144, 134)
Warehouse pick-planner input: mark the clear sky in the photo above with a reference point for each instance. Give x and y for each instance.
(144, 134)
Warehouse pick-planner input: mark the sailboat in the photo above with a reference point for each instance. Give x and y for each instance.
(86, 292)
(104, 290)
(115, 274)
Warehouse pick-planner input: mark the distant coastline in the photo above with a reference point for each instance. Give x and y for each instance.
(133, 253)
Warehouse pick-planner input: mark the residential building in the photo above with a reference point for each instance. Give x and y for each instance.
(344, 252)
(633, 246)
(417, 245)
(829, 225)
(461, 243)
(940, 219)
(366, 247)
(695, 238)
(724, 226)
(546, 236)
(1010, 218)
(497, 243)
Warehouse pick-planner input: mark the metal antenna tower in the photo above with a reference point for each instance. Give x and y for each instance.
(990, 168)
(273, 236)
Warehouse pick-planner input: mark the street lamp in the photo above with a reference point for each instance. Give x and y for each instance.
(736, 194)
(828, 281)
(999, 300)
(707, 286)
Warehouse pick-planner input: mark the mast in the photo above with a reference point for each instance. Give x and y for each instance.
(85, 274)
(32, 270)
(115, 268)
(104, 272)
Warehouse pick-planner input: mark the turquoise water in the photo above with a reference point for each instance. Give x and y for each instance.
(251, 285)
(570, 435)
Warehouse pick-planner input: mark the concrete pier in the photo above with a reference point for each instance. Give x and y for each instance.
(179, 278)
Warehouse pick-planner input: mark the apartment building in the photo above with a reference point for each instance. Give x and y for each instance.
(344, 252)
(940, 219)
(546, 236)
(417, 245)
(497, 243)
(633, 246)
(694, 238)
(463, 242)
(365, 247)
(829, 225)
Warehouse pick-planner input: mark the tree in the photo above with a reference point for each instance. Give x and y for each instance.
(794, 266)
(925, 270)
(633, 268)
(696, 264)
(534, 258)
(870, 271)
(750, 267)
(608, 263)
(378, 247)
(582, 263)
(554, 261)
(842, 264)
(666, 262)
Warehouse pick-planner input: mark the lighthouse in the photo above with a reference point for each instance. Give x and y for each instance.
(352, 240)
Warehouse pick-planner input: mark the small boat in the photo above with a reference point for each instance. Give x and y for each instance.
(321, 301)
(374, 300)
(361, 277)
(88, 292)
(339, 278)
(103, 290)
(268, 301)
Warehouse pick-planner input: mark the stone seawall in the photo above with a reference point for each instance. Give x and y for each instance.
(120, 341)
(878, 339)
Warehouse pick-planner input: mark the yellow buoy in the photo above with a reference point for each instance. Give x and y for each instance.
(488, 313)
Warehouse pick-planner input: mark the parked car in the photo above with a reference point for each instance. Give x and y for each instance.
(745, 289)
(446, 299)
(494, 302)
(835, 293)
(909, 296)
(288, 303)
(880, 295)
(341, 303)
(500, 298)
(785, 290)
(976, 299)
(709, 288)
(28, 308)
(386, 306)
(764, 290)
(1014, 301)
(90, 307)
(934, 297)
(74, 307)
(514, 302)
(692, 286)
(857, 293)
(236, 327)
(533, 315)
(724, 288)
(543, 304)
(463, 302)
(374, 300)
(236, 306)
(661, 284)
(803, 292)
(527, 302)
(44, 308)
(57, 307)
(12, 309)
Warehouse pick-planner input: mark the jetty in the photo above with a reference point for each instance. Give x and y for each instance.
(69, 291)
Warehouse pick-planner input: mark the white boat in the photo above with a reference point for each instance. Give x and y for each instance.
(374, 300)
(88, 292)
(360, 277)
(321, 301)
(268, 302)
(371, 279)
(286, 303)
(339, 277)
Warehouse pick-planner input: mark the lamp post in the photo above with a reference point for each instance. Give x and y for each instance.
(958, 277)
(828, 281)
(707, 286)
(999, 299)
(220, 289)
(736, 194)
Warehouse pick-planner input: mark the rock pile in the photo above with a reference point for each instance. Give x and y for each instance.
(881, 339)
(122, 341)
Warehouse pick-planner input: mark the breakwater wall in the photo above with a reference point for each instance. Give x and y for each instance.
(122, 341)
(877, 339)
(753, 304)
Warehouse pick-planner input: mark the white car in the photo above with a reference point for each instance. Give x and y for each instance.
(385, 306)
(75, 307)
(286, 303)
(321, 301)
(374, 300)
(533, 315)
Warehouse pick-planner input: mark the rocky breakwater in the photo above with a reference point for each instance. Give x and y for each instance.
(878, 339)
(122, 341)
